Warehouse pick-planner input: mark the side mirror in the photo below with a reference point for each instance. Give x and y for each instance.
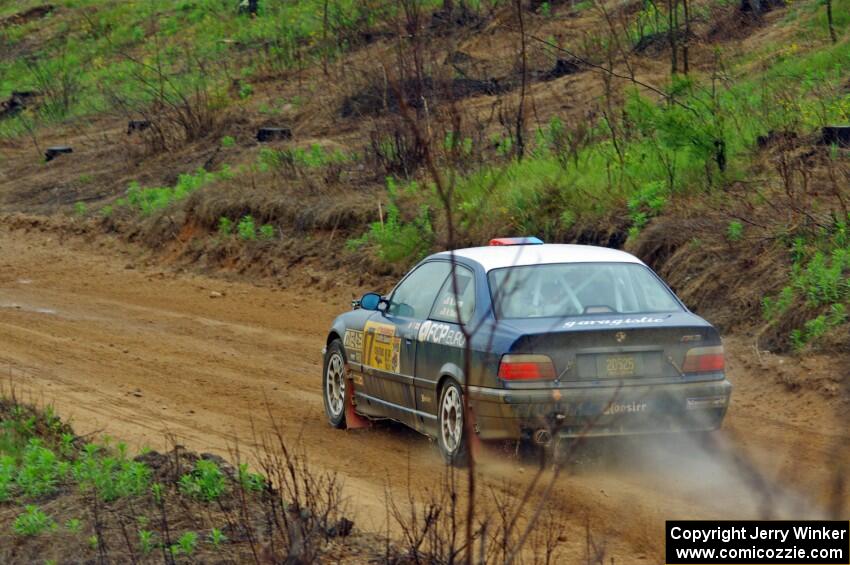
(370, 301)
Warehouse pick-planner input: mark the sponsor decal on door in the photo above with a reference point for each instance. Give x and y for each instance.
(381, 347)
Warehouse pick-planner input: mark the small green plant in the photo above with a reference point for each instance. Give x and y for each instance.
(568, 219)
(647, 203)
(735, 231)
(81, 209)
(217, 538)
(111, 477)
(206, 482)
(7, 476)
(186, 544)
(504, 145)
(266, 232)
(93, 542)
(157, 492)
(250, 481)
(106, 211)
(147, 541)
(245, 90)
(771, 308)
(394, 239)
(33, 522)
(74, 525)
(41, 471)
(225, 226)
(247, 229)
(228, 141)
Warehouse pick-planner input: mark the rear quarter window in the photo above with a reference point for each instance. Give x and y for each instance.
(450, 303)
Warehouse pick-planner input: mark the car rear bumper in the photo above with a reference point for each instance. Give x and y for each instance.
(599, 411)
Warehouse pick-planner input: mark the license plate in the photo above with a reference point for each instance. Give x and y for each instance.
(620, 366)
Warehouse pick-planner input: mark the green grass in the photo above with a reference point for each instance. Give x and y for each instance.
(246, 229)
(39, 456)
(154, 199)
(315, 157)
(90, 45)
(819, 284)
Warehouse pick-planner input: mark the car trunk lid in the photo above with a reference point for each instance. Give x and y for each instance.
(614, 348)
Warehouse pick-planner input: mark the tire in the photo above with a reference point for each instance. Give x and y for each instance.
(334, 384)
(451, 434)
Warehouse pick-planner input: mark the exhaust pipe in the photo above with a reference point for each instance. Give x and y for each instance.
(542, 437)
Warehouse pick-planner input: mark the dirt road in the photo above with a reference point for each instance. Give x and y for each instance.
(137, 352)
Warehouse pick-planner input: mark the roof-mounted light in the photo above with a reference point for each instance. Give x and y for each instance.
(516, 241)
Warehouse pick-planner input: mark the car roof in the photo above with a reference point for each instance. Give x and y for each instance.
(499, 256)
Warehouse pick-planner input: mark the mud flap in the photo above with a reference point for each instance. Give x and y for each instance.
(353, 420)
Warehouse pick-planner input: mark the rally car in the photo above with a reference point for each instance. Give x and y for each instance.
(522, 340)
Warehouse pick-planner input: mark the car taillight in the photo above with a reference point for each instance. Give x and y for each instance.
(704, 360)
(526, 368)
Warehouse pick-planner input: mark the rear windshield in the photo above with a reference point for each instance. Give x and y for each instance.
(577, 289)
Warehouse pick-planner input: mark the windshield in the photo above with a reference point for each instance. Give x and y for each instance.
(577, 289)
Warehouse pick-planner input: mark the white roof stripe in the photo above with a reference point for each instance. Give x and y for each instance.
(499, 256)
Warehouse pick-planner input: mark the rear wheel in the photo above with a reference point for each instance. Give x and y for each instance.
(451, 436)
(334, 384)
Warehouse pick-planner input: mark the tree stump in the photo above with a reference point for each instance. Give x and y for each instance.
(53, 152)
(563, 67)
(836, 135)
(265, 135)
(137, 125)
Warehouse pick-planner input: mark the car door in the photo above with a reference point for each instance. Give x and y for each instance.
(390, 340)
(441, 339)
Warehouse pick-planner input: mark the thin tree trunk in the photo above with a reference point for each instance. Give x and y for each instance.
(671, 33)
(687, 40)
(325, 39)
(829, 20)
(520, 117)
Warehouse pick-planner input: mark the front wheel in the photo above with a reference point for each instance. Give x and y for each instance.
(451, 437)
(334, 384)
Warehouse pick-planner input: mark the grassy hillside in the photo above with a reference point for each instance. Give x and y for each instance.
(561, 119)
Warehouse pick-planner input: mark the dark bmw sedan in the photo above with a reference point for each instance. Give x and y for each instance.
(526, 341)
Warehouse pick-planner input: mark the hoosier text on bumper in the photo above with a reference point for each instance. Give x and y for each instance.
(726, 535)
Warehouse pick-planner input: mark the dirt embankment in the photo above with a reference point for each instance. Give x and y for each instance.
(138, 352)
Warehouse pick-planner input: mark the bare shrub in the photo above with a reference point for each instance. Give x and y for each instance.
(433, 524)
(303, 507)
(394, 150)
